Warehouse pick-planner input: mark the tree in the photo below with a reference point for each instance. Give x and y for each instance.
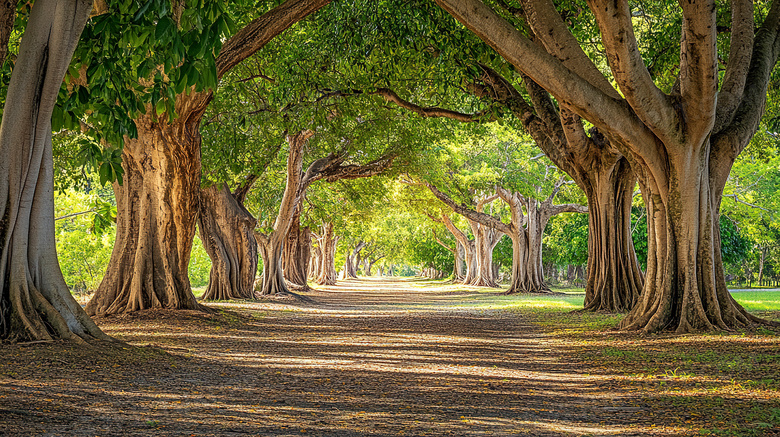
(35, 302)
(614, 279)
(681, 142)
(158, 198)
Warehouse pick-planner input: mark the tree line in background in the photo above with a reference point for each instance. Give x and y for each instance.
(301, 138)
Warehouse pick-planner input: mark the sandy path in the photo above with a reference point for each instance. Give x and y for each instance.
(369, 358)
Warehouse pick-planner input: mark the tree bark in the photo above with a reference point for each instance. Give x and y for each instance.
(35, 302)
(297, 252)
(352, 261)
(227, 231)
(7, 18)
(327, 242)
(468, 246)
(271, 249)
(158, 202)
(485, 240)
(272, 244)
(614, 279)
(680, 145)
(316, 259)
(157, 205)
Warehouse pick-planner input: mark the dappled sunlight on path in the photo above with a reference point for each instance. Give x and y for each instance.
(368, 357)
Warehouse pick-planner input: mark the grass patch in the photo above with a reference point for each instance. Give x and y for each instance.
(758, 300)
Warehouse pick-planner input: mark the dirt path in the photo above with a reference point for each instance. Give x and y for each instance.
(368, 358)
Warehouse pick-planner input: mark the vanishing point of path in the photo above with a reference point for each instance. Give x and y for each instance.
(368, 357)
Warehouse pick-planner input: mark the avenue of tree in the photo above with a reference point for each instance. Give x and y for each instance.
(302, 136)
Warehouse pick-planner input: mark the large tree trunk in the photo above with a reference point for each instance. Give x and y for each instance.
(685, 287)
(156, 209)
(614, 280)
(315, 262)
(35, 302)
(327, 242)
(272, 244)
(271, 249)
(157, 204)
(227, 231)
(484, 256)
(352, 262)
(681, 145)
(297, 252)
(469, 249)
(527, 271)
(459, 270)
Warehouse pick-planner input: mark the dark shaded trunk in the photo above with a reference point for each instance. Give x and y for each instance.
(614, 280)
(297, 252)
(226, 229)
(156, 210)
(7, 18)
(35, 302)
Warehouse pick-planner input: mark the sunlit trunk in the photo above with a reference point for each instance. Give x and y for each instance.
(35, 302)
(685, 287)
(157, 205)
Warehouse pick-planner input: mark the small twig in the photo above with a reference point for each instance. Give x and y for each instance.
(738, 200)
(73, 215)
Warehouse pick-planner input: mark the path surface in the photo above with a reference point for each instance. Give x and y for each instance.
(369, 358)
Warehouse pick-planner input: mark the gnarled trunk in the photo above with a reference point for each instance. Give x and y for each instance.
(685, 288)
(527, 271)
(35, 302)
(459, 269)
(226, 229)
(315, 262)
(327, 242)
(485, 239)
(468, 247)
(156, 212)
(271, 249)
(297, 252)
(614, 279)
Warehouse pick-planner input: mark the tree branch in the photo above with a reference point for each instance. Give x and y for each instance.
(569, 88)
(479, 217)
(740, 54)
(426, 112)
(738, 200)
(75, 214)
(650, 104)
(261, 30)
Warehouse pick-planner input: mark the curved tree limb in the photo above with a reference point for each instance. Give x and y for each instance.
(568, 87)
(261, 30)
(740, 54)
(472, 214)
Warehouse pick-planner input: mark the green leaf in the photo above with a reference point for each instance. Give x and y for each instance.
(142, 10)
(160, 107)
(105, 173)
(163, 26)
